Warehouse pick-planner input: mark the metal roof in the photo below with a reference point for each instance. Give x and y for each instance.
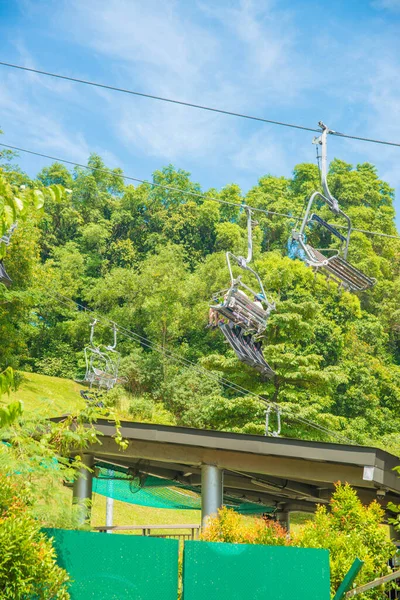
(295, 472)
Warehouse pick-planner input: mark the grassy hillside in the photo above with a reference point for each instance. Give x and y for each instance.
(48, 396)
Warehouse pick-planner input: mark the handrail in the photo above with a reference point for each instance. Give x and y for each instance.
(138, 527)
(373, 584)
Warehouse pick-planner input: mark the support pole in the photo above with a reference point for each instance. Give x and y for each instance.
(211, 491)
(82, 490)
(109, 512)
(110, 500)
(283, 518)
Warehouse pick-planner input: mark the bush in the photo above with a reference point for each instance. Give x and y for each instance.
(145, 410)
(348, 531)
(27, 560)
(229, 526)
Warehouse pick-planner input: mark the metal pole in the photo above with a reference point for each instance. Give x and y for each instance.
(283, 517)
(211, 491)
(82, 489)
(109, 500)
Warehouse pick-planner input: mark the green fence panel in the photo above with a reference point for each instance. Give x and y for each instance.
(117, 567)
(219, 571)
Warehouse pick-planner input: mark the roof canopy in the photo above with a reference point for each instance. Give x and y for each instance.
(296, 473)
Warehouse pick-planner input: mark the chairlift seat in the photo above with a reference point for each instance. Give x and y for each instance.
(340, 270)
(239, 309)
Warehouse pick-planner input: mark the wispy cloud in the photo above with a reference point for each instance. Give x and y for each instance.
(33, 126)
(393, 5)
(261, 58)
(157, 47)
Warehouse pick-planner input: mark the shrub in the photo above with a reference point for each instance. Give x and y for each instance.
(229, 526)
(348, 531)
(27, 560)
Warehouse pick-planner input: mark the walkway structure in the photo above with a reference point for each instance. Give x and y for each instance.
(289, 474)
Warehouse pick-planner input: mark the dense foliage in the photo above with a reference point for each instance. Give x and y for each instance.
(233, 528)
(348, 530)
(28, 567)
(150, 259)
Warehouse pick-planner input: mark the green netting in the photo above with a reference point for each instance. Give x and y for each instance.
(215, 571)
(157, 492)
(117, 567)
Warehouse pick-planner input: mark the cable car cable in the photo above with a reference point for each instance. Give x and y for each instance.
(202, 195)
(192, 105)
(225, 382)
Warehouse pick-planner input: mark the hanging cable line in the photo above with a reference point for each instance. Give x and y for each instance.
(202, 195)
(197, 106)
(66, 301)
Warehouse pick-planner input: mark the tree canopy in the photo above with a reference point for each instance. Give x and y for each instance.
(150, 259)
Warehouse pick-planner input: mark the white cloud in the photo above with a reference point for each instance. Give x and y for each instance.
(241, 55)
(392, 5)
(264, 152)
(158, 48)
(34, 127)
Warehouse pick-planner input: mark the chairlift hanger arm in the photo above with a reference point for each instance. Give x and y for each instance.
(114, 345)
(322, 141)
(234, 282)
(92, 326)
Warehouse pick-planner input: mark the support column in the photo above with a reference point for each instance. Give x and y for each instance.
(283, 518)
(211, 491)
(82, 490)
(110, 500)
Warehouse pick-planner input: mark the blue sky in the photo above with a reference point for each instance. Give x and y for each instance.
(299, 61)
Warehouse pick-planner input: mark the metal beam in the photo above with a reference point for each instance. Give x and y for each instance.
(289, 468)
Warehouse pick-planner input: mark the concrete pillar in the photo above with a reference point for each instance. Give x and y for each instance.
(82, 490)
(283, 517)
(211, 491)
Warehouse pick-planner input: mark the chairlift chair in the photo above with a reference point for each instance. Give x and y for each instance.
(245, 349)
(102, 362)
(236, 305)
(245, 317)
(335, 267)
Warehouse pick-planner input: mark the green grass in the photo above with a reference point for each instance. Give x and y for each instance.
(130, 514)
(48, 396)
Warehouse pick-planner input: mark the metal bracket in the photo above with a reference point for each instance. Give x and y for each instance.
(277, 431)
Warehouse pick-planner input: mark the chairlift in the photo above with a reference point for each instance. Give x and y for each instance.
(5, 239)
(276, 432)
(102, 362)
(335, 267)
(236, 305)
(246, 318)
(246, 349)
